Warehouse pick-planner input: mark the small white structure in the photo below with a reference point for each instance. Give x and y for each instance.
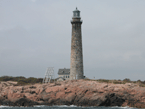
(60, 79)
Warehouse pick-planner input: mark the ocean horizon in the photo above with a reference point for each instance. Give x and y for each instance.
(64, 107)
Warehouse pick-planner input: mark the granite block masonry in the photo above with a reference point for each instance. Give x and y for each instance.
(76, 67)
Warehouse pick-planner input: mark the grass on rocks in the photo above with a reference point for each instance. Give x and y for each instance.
(31, 80)
(126, 80)
(21, 80)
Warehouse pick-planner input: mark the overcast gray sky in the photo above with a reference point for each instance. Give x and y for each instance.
(36, 34)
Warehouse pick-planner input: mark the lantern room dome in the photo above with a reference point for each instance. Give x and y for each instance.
(76, 9)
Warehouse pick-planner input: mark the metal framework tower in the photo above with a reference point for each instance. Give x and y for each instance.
(49, 75)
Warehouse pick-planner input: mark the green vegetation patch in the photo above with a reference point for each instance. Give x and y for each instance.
(22, 80)
(126, 80)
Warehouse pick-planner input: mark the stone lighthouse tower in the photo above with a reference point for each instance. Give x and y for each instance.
(76, 66)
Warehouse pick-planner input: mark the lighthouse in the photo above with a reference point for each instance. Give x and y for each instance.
(76, 64)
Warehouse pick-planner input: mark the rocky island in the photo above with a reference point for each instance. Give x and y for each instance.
(74, 92)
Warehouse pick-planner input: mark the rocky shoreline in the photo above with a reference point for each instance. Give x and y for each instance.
(75, 92)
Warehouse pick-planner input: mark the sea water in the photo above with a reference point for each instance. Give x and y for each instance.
(63, 107)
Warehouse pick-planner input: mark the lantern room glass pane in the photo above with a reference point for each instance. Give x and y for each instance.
(76, 14)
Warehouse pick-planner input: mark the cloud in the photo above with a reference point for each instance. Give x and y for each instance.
(33, 0)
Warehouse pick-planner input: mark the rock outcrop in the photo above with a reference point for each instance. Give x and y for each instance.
(75, 92)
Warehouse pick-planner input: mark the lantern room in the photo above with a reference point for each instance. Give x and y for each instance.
(76, 13)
